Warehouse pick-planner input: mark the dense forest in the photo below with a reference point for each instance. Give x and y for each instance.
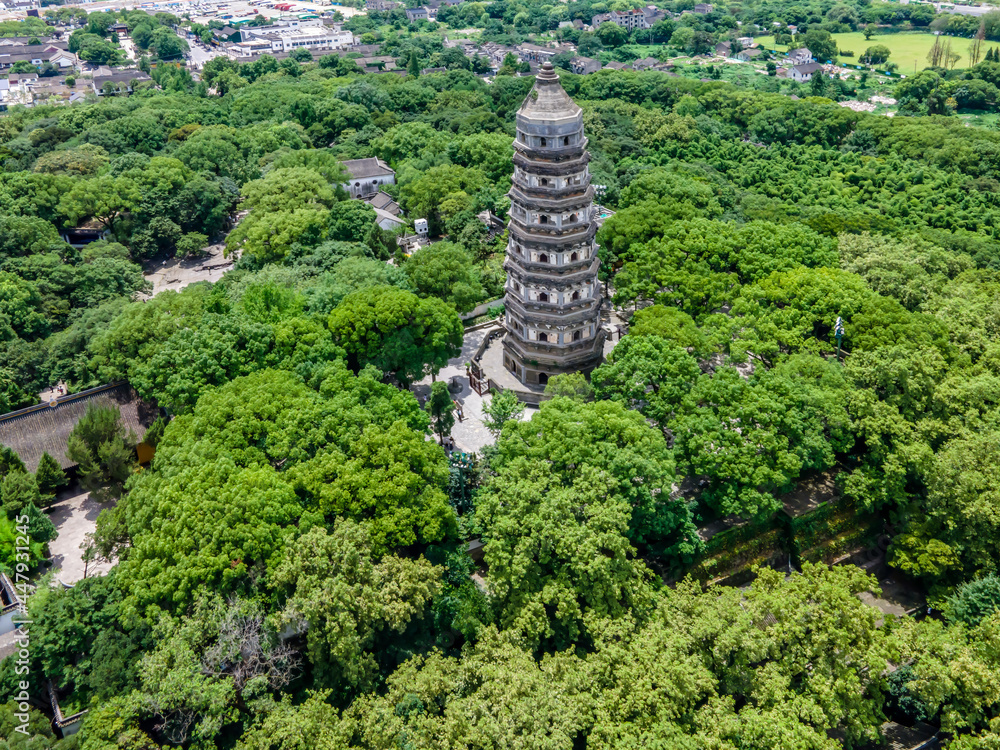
(292, 568)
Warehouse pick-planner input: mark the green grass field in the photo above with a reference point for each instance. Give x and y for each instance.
(908, 50)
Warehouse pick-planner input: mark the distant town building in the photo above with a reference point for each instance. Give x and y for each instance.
(381, 5)
(383, 201)
(646, 63)
(584, 65)
(26, 41)
(367, 50)
(389, 221)
(803, 73)
(799, 56)
(627, 19)
(226, 34)
(45, 428)
(119, 83)
(37, 54)
(653, 15)
(367, 176)
(284, 37)
(724, 49)
(748, 55)
(535, 53)
(417, 14)
(383, 62)
(702, 9)
(497, 53)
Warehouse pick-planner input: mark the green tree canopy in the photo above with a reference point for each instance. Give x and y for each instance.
(446, 271)
(569, 437)
(396, 331)
(333, 582)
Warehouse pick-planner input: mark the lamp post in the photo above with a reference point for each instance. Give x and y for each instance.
(838, 331)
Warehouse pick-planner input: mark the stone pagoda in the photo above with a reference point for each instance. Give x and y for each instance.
(553, 297)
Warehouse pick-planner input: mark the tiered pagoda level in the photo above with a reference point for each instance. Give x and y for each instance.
(553, 297)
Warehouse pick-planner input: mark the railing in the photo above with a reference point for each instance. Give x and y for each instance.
(481, 309)
(525, 397)
(63, 723)
(548, 166)
(550, 198)
(549, 192)
(544, 271)
(551, 153)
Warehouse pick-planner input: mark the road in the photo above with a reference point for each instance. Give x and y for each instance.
(200, 54)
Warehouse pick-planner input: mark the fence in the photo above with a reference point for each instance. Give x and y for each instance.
(481, 309)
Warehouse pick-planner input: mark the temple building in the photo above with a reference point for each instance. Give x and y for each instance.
(553, 297)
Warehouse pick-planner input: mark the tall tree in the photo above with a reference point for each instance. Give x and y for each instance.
(568, 437)
(559, 557)
(50, 475)
(333, 582)
(976, 48)
(503, 407)
(396, 331)
(647, 373)
(104, 451)
(442, 409)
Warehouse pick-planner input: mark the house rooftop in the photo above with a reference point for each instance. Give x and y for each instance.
(125, 76)
(45, 428)
(371, 167)
(382, 200)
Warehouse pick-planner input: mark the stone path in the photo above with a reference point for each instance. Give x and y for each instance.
(470, 434)
(74, 518)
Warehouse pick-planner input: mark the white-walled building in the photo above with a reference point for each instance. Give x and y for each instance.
(803, 73)
(285, 37)
(367, 176)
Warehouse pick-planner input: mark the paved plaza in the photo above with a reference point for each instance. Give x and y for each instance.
(177, 273)
(74, 518)
(470, 434)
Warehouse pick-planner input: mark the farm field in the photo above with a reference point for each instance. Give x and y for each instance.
(909, 51)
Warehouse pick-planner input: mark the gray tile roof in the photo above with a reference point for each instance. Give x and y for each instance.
(384, 201)
(361, 168)
(45, 429)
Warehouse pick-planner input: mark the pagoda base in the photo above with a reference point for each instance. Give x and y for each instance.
(534, 369)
